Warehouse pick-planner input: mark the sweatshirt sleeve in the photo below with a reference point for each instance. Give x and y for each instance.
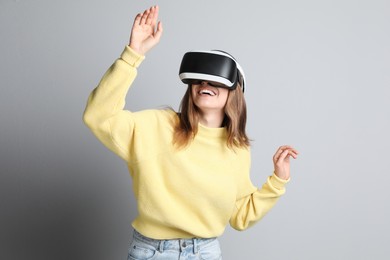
(104, 114)
(253, 203)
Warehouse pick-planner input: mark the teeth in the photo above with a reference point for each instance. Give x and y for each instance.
(206, 91)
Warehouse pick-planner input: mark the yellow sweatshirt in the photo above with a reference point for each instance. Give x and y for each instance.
(192, 192)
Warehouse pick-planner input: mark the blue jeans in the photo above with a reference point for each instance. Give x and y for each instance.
(144, 248)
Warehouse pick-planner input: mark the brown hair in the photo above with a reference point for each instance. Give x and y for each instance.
(234, 120)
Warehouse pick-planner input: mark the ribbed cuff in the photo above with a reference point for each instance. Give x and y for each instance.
(132, 57)
(277, 182)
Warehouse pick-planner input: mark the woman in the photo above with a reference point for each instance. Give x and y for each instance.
(190, 169)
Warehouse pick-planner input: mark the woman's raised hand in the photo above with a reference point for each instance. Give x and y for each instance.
(144, 33)
(281, 161)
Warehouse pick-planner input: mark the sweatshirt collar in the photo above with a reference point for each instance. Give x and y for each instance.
(219, 132)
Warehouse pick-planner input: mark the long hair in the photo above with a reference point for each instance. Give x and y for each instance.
(234, 120)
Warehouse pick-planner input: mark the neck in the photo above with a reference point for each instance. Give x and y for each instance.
(212, 119)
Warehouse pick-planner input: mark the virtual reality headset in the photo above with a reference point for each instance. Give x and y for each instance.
(218, 68)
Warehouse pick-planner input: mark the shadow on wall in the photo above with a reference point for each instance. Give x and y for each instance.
(59, 206)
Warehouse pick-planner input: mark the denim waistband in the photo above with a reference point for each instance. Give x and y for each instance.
(175, 244)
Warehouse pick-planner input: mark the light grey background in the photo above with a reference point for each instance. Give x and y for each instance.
(318, 78)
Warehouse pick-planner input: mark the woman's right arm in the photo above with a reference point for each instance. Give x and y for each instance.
(105, 114)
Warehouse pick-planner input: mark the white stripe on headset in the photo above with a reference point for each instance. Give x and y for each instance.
(206, 77)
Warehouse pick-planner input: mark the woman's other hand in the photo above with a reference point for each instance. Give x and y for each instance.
(144, 33)
(281, 161)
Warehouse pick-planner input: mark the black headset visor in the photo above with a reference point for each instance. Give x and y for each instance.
(208, 66)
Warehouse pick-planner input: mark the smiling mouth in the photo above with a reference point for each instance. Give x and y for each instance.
(207, 92)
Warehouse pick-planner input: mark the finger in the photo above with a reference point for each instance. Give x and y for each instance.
(159, 31)
(295, 151)
(144, 17)
(293, 155)
(155, 16)
(137, 19)
(279, 151)
(292, 152)
(149, 19)
(283, 147)
(283, 156)
(277, 155)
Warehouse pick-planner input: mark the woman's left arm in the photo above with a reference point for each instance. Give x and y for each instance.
(250, 208)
